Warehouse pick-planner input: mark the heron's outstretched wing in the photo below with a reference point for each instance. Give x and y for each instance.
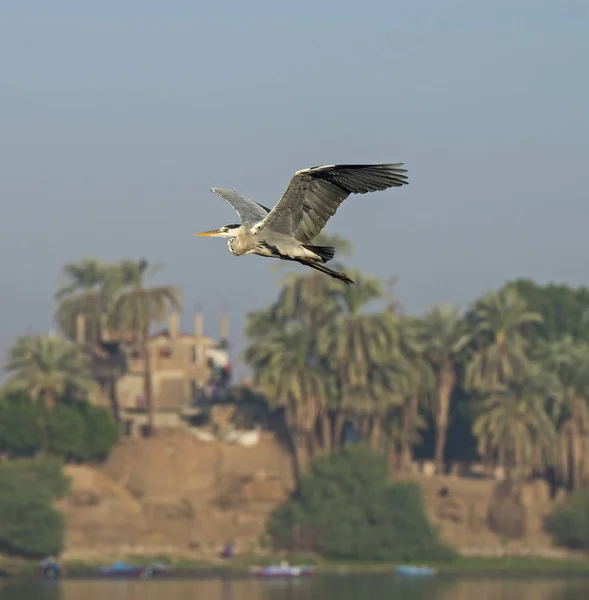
(248, 210)
(313, 195)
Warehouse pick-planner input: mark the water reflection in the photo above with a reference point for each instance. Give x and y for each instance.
(517, 589)
(375, 587)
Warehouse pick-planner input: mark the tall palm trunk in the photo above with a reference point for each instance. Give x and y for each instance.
(50, 402)
(363, 425)
(297, 453)
(446, 385)
(338, 428)
(147, 387)
(577, 447)
(297, 439)
(326, 436)
(391, 452)
(311, 444)
(114, 399)
(375, 432)
(408, 417)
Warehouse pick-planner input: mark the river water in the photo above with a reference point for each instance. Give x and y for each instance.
(348, 587)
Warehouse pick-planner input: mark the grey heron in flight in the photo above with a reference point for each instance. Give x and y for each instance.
(313, 195)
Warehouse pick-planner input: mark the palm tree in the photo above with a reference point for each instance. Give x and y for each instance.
(353, 344)
(417, 385)
(382, 397)
(48, 367)
(262, 322)
(82, 295)
(444, 336)
(500, 320)
(284, 371)
(514, 424)
(569, 361)
(309, 298)
(87, 295)
(136, 308)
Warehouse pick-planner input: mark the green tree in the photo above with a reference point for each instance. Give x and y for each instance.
(21, 425)
(137, 307)
(44, 472)
(499, 323)
(88, 295)
(564, 310)
(444, 335)
(82, 295)
(66, 433)
(417, 386)
(569, 361)
(101, 432)
(345, 508)
(284, 372)
(29, 524)
(353, 345)
(48, 367)
(514, 424)
(569, 523)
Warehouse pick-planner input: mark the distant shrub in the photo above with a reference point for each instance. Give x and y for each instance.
(507, 514)
(81, 432)
(101, 432)
(345, 508)
(21, 426)
(569, 523)
(42, 472)
(66, 433)
(74, 431)
(29, 524)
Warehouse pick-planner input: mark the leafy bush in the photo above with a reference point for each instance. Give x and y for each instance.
(345, 508)
(66, 433)
(101, 431)
(81, 432)
(74, 431)
(29, 524)
(21, 426)
(507, 515)
(43, 472)
(569, 523)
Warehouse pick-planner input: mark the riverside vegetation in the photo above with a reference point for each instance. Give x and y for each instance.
(505, 382)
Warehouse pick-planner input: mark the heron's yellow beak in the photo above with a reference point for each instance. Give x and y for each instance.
(208, 233)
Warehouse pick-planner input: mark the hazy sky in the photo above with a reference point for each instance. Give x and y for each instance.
(116, 117)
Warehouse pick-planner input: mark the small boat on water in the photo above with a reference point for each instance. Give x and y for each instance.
(414, 571)
(50, 568)
(121, 569)
(282, 569)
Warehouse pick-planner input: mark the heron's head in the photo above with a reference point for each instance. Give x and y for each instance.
(227, 231)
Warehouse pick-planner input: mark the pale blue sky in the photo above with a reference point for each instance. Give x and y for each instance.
(117, 117)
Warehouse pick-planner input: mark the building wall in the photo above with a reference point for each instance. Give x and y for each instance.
(178, 365)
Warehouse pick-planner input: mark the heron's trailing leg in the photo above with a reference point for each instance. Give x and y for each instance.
(319, 267)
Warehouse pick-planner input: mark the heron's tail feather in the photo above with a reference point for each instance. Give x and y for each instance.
(325, 253)
(320, 267)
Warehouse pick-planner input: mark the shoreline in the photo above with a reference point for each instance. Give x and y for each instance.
(238, 567)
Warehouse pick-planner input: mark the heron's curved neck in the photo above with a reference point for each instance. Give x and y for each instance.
(230, 246)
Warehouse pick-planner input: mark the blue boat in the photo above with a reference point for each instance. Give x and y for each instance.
(414, 571)
(121, 569)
